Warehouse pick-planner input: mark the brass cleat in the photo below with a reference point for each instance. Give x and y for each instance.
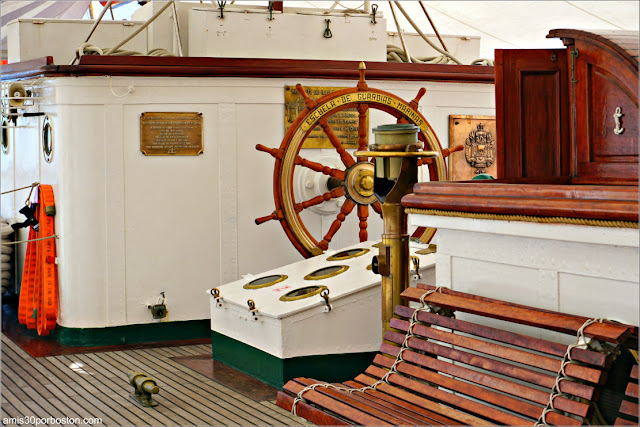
(144, 388)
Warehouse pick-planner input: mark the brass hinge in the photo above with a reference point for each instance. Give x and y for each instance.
(574, 55)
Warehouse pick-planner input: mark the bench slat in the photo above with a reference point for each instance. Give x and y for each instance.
(424, 416)
(634, 372)
(308, 412)
(339, 408)
(632, 390)
(509, 403)
(574, 319)
(512, 354)
(538, 378)
(436, 407)
(629, 408)
(459, 402)
(347, 399)
(500, 384)
(623, 422)
(386, 406)
(544, 346)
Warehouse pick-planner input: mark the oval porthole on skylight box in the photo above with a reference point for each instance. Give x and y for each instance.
(348, 254)
(326, 272)
(301, 293)
(263, 282)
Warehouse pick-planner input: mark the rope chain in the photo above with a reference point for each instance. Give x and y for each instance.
(35, 184)
(55, 236)
(581, 342)
(385, 379)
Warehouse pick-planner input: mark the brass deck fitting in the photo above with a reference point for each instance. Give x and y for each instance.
(144, 388)
(396, 152)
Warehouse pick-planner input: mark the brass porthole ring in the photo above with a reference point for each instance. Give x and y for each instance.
(301, 293)
(47, 139)
(326, 272)
(348, 254)
(263, 282)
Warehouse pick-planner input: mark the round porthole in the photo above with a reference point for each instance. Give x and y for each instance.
(300, 293)
(5, 135)
(326, 272)
(348, 254)
(47, 139)
(263, 282)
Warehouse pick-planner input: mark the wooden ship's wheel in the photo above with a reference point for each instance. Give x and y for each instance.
(356, 180)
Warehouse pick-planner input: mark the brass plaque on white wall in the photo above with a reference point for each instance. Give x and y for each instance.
(477, 134)
(171, 134)
(343, 123)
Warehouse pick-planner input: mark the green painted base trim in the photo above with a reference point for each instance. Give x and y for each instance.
(133, 334)
(276, 372)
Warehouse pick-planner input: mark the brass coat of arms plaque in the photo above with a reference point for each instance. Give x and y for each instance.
(477, 134)
(343, 123)
(171, 134)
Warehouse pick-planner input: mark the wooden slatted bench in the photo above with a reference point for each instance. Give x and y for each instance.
(629, 407)
(459, 372)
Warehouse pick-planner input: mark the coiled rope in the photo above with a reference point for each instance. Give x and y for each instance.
(396, 54)
(5, 254)
(385, 379)
(91, 49)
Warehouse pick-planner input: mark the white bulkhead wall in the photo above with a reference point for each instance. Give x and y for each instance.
(132, 226)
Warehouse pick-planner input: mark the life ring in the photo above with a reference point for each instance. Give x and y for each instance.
(38, 305)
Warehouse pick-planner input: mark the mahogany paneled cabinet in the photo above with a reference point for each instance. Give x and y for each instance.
(567, 134)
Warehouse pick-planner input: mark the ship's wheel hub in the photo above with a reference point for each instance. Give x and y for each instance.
(359, 183)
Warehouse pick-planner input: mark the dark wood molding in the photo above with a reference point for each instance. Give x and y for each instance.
(603, 202)
(246, 67)
(620, 43)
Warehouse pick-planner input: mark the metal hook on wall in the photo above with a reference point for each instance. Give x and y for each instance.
(327, 32)
(270, 11)
(374, 10)
(221, 5)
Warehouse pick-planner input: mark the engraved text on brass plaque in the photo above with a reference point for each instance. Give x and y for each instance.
(171, 134)
(343, 123)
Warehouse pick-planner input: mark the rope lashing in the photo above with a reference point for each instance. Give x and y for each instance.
(581, 342)
(35, 184)
(385, 379)
(55, 236)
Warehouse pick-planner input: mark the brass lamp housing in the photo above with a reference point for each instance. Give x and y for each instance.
(396, 153)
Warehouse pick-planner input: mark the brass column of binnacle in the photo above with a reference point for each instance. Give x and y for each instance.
(396, 153)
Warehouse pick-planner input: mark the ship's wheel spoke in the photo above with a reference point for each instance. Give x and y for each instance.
(318, 167)
(363, 129)
(415, 101)
(356, 181)
(345, 210)
(333, 194)
(346, 158)
(377, 207)
(363, 214)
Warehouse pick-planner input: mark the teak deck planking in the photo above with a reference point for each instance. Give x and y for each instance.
(96, 385)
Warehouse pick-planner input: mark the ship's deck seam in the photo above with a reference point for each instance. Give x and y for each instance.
(90, 385)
